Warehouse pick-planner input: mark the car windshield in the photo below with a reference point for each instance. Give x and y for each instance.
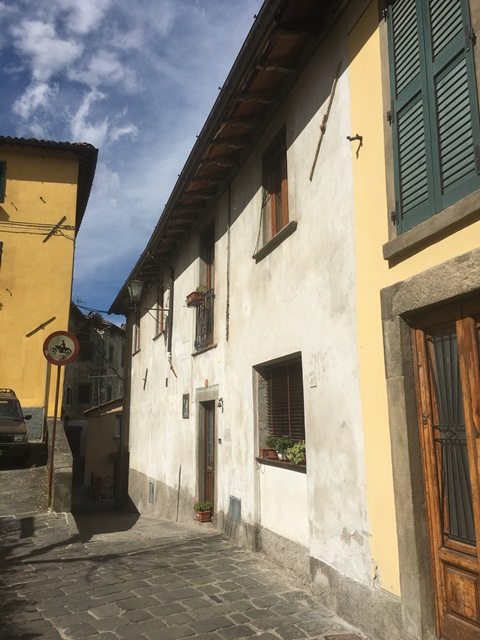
(10, 409)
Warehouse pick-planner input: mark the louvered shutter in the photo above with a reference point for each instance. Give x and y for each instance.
(3, 177)
(453, 91)
(285, 407)
(410, 121)
(434, 106)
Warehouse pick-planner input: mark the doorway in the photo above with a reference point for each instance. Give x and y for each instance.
(207, 451)
(447, 368)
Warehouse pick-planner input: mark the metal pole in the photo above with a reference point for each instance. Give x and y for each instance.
(52, 446)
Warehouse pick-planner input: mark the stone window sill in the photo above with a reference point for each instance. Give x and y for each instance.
(440, 225)
(210, 346)
(277, 239)
(299, 468)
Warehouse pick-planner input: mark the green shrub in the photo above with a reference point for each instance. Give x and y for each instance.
(279, 443)
(296, 453)
(203, 505)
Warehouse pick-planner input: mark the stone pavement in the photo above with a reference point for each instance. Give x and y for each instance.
(24, 488)
(118, 576)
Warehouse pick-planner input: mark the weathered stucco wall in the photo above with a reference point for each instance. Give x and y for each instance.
(290, 301)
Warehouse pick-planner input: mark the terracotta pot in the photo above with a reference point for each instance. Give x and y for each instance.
(269, 454)
(194, 299)
(204, 516)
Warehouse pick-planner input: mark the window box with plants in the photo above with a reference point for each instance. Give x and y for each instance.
(284, 449)
(203, 510)
(195, 298)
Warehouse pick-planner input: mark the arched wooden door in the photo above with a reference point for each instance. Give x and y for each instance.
(448, 394)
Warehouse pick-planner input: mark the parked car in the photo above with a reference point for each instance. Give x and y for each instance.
(13, 428)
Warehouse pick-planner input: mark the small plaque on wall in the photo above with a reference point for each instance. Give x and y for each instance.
(186, 405)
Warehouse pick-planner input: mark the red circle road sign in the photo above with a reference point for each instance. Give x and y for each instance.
(61, 347)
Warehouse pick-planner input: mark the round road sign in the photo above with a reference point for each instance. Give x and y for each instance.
(61, 347)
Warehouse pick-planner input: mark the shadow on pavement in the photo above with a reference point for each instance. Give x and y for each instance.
(38, 455)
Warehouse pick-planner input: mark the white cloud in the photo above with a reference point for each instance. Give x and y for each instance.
(36, 96)
(105, 68)
(84, 15)
(93, 132)
(127, 130)
(48, 53)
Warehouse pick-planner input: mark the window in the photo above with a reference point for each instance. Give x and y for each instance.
(205, 311)
(84, 393)
(110, 353)
(280, 399)
(434, 113)
(3, 179)
(159, 311)
(275, 194)
(136, 332)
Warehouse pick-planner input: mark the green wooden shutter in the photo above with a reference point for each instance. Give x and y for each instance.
(410, 115)
(435, 120)
(453, 95)
(3, 178)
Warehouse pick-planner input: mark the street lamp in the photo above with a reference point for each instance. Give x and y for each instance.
(135, 290)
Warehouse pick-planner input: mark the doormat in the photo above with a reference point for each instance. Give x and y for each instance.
(343, 636)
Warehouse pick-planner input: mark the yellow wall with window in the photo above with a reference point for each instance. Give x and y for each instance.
(35, 272)
(368, 112)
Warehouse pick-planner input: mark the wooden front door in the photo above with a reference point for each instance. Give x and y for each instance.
(448, 393)
(208, 428)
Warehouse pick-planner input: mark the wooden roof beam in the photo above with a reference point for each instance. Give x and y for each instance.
(234, 142)
(220, 161)
(259, 97)
(280, 65)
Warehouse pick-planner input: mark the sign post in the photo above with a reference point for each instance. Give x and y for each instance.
(60, 348)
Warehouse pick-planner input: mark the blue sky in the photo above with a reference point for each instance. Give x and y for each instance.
(135, 78)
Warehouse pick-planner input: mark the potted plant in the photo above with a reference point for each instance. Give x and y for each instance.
(296, 453)
(195, 298)
(203, 510)
(281, 444)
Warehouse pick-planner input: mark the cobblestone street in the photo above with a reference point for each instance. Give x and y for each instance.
(116, 576)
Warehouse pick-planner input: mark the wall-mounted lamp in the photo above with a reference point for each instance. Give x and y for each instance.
(220, 404)
(135, 290)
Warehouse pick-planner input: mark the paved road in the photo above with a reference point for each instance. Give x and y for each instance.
(23, 488)
(118, 577)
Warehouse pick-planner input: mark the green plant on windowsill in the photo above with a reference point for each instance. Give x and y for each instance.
(296, 453)
(281, 444)
(203, 505)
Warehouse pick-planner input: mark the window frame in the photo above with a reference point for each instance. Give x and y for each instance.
(136, 345)
(285, 370)
(439, 201)
(159, 310)
(275, 187)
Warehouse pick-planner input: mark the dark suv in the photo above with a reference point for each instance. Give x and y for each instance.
(13, 430)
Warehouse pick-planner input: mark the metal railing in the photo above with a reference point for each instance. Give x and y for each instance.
(204, 322)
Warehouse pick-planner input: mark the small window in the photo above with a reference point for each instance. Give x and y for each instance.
(84, 393)
(159, 311)
(275, 192)
(136, 332)
(110, 353)
(205, 311)
(280, 400)
(3, 179)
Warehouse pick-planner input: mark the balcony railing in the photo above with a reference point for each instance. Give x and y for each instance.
(204, 323)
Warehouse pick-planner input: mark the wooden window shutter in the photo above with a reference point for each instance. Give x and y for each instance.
(3, 180)
(452, 87)
(434, 106)
(285, 406)
(410, 121)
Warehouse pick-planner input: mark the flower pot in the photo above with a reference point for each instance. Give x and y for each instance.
(194, 299)
(268, 453)
(204, 516)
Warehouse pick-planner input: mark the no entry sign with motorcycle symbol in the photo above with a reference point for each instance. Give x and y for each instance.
(61, 347)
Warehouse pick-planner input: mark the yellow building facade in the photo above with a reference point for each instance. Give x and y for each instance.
(43, 195)
(416, 290)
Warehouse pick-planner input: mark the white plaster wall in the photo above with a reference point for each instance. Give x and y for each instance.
(300, 298)
(284, 507)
